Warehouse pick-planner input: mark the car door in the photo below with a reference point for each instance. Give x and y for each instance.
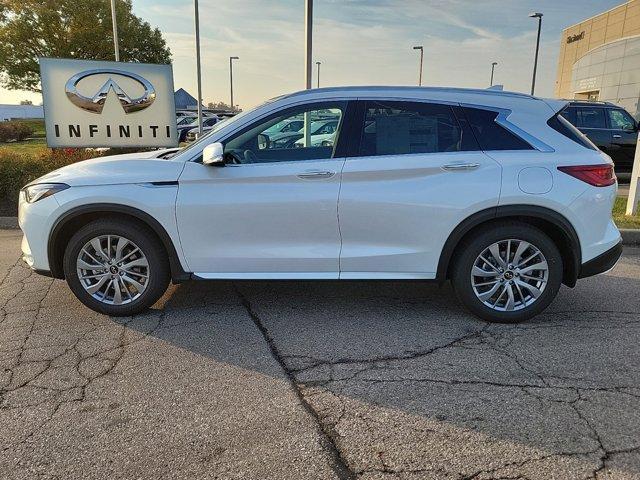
(270, 212)
(416, 174)
(624, 135)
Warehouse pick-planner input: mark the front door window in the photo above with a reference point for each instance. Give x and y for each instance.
(315, 139)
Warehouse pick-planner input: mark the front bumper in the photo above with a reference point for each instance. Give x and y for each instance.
(35, 221)
(602, 263)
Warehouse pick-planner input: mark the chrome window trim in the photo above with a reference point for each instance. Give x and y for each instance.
(503, 121)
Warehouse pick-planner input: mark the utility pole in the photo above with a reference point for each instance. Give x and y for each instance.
(535, 62)
(198, 67)
(231, 59)
(318, 67)
(114, 20)
(421, 58)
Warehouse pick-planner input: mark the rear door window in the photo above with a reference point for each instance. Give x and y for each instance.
(590, 117)
(398, 128)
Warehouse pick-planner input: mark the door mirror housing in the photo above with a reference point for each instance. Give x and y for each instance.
(213, 155)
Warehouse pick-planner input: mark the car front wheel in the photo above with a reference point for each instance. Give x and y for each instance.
(507, 273)
(116, 267)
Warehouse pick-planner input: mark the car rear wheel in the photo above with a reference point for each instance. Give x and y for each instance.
(507, 273)
(116, 267)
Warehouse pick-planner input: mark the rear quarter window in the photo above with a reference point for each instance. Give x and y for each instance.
(491, 135)
(561, 125)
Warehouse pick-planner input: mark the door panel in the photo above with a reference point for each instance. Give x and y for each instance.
(624, 136)
(263, 220)
(397, 211)
(416, 174)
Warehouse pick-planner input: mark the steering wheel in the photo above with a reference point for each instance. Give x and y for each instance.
(250, 157)
(235, 157)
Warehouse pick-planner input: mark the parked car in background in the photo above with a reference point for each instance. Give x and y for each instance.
(322, 133)
(186, 120)
(610, 127)
(286, 126)
(207, 125)
(183, 130)
(492, 190)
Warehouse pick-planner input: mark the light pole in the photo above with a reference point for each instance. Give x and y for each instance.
(116, 45)
(198, 66)
(231, 59)
(318, 68)
(421, 58)
(308, 67)
(493, 66)
(535, 62)
(308, 43)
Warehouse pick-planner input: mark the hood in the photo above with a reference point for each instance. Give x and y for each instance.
(116, 169)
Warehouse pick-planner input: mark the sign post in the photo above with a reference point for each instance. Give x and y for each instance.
(108, 104)
(634, 191)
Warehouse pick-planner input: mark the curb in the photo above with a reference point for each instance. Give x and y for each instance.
(7, 223)
(630, 237)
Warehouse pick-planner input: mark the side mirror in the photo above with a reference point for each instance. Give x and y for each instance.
(213, 155)
(263, 141)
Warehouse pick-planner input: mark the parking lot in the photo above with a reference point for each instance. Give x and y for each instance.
(323, 380)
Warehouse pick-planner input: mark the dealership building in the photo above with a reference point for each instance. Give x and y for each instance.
(600, 58)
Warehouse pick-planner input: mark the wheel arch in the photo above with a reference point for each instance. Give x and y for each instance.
(549, 221)
(70, 221)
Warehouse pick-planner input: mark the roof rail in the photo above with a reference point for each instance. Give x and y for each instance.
(378, 88)
(584, 100)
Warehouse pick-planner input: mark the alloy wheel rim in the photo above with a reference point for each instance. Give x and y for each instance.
(509, 275)
(113, 269)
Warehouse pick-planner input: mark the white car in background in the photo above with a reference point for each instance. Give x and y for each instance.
(492, 190)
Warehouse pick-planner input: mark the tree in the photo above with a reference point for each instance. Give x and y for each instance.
(70, 29)
(220, 106)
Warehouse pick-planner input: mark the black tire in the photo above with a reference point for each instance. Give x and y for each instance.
(147, 242)
(467, 253)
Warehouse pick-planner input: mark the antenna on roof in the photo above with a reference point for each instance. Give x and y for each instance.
(496, 87)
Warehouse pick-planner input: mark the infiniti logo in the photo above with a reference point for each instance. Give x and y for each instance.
(95, 104)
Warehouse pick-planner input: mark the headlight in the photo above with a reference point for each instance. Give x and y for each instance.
(33, 193)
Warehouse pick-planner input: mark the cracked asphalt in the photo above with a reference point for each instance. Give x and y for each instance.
(317, 380)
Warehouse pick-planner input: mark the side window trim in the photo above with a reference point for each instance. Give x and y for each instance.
(503, 120)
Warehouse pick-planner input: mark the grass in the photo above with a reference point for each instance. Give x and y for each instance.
(623, 221)
(29, 147)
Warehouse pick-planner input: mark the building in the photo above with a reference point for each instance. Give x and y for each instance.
(10, 112)
(600, 58)
(184, 100)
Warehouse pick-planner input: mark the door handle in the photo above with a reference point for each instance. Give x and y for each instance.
(615, 135)
(316, 174)
(460, 166)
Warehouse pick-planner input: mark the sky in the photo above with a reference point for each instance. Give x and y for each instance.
(359, 42)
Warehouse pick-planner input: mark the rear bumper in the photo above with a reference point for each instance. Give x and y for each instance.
(602, 263)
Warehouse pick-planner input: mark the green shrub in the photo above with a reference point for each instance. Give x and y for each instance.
(15, 131)
(18, 169)
(7, 131)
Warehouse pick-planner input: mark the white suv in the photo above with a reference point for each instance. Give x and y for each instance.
(493, 190)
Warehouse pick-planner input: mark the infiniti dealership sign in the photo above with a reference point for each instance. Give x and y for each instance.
(108, 104)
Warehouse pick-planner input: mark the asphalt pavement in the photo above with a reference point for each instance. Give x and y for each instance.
(317, 380)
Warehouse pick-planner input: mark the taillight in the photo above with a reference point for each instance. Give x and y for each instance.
(596, 175)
